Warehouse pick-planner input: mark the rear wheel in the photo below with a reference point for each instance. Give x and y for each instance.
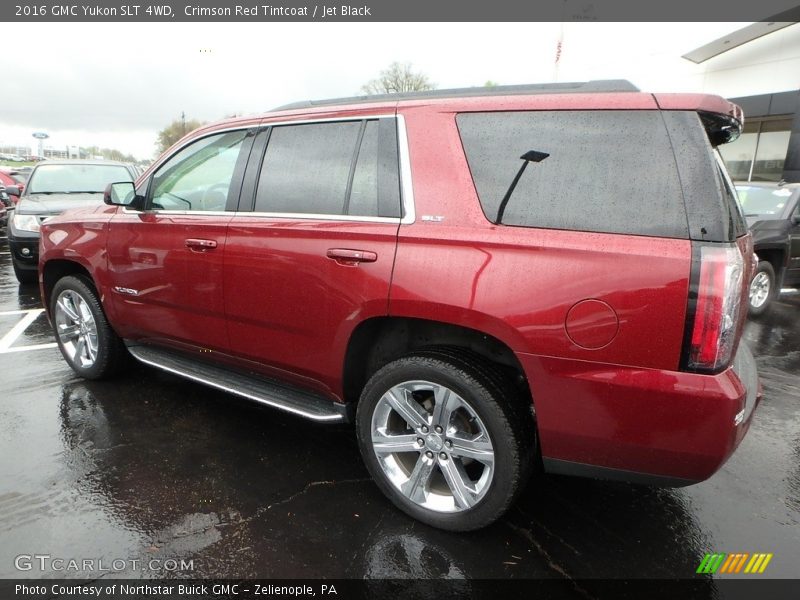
(762, 288)
(83, 334)
(446, 438)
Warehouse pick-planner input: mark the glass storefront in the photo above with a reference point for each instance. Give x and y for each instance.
(759, 153)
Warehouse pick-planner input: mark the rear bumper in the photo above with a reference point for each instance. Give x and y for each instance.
(640, 425)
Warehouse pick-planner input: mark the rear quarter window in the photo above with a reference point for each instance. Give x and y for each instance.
(712, 209)
(607, 171)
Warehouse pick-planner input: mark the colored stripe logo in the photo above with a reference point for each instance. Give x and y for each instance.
(738, 562)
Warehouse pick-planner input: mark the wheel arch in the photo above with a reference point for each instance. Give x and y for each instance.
(377, 341)
(56, 269)
(777, 257)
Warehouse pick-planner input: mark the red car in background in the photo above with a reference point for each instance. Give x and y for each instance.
(14, 177)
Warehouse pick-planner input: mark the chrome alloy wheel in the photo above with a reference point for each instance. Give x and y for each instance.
(432, 446)
(76, 328)
(759, 289)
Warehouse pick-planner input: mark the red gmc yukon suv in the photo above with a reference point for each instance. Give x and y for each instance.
(485, 281)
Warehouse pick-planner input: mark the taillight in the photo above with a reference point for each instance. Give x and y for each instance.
(716, 304)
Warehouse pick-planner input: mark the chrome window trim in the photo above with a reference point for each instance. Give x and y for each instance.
(406, 182)
(267, 215)
(319, 217)
(265, 123)
(271, 215)
(216, 213)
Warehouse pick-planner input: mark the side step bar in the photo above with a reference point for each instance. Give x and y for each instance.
(272, 393)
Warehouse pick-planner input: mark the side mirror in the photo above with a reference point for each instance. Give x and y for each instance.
(122, 193)
(795, 219)
(12, 190)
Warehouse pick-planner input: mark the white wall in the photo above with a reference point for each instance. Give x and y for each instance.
(766, 65)
(651, 56)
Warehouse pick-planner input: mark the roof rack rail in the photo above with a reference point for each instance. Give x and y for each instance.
(610, 85)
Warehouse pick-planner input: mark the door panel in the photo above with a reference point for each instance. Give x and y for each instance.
(316, 258)
(162, 288)
(290, 306)
(166, 261)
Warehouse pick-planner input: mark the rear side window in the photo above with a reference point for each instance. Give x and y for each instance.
(339, 168)
(606, 171)
(713, 211)
(733, 207)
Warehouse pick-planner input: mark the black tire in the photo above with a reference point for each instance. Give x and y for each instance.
(505, 416)
(764, 275)
(25, 276)
(111, 354)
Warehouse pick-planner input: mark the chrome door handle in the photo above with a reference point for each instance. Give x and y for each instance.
(345, 256)
(200, 245)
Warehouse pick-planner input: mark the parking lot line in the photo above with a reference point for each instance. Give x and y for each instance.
(26, 348)
(18, 329)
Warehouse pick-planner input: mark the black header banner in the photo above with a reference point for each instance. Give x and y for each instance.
(400, 10)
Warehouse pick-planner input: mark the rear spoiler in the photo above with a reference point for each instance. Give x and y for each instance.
(723, 120)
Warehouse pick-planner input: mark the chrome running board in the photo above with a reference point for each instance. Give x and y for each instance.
(253, 387)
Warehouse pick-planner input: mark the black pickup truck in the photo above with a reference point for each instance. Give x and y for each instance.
(773, 215)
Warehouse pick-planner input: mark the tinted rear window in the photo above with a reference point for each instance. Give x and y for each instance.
(607, 171)
(713, 213)
(337, 168)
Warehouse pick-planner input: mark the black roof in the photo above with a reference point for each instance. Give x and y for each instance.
(610, 85)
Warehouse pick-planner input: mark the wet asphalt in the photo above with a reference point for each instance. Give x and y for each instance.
(150, 466)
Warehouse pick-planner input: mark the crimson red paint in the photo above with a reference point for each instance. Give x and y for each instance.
(591, 324)
(596, 322)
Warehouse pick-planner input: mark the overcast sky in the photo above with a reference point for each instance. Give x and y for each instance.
(116, 84)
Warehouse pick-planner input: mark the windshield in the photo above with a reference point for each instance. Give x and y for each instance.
(764, 202)
(72, 179)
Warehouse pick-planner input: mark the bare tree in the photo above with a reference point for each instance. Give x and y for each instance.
(398, 78)
(175, 131)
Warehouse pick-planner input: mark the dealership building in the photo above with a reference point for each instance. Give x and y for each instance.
(758, 68)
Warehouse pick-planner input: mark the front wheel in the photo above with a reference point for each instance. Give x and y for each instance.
(83, 334)
(446, 438)
(762, 288)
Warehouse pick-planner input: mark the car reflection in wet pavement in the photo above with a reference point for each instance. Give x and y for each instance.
(164, 478)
